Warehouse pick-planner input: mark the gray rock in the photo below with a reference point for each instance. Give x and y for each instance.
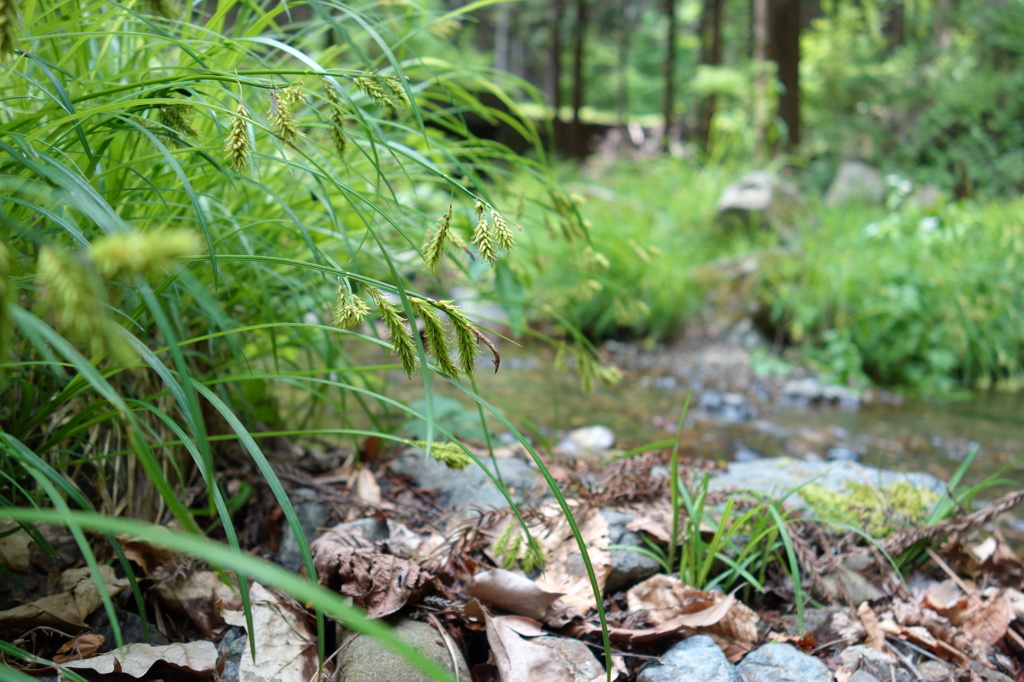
(777, 662)
(589, 438)
(629, 567)
(695, 659)
(575, 655)
(312, 513)
(811, 391)
(233, 645)
(761, 200)
(882, 666)
(367, 660)
(469, 488)
(856, 181)
(729, 407)
(782, 474)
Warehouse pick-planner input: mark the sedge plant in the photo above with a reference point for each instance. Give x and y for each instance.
(203, 214)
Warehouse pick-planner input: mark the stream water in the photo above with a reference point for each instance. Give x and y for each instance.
(903, 435)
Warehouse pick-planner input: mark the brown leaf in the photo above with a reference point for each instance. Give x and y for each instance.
(736, 633)
(517, 658)
(988, 624)
(56, 611)
(180, 662)
(14, 547)
(285, 645)
(665, 598)
(366, 488)
(875, 637)
(513, 592)
(79, 648)
(200, 596)
(148, 556)
(379, 583)
(564, 571)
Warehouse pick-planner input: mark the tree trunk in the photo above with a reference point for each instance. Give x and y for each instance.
(669, 71)
(784, 46)
(762, 94)
(710, 55)
(553, 84)
(576, 141)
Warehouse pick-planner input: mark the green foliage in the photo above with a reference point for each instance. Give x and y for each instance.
(909, 297)
(649, 225)
(184, 203)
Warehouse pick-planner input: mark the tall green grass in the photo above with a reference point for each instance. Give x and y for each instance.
(187, 199)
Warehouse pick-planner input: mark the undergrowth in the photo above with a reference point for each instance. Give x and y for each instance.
(202, 211)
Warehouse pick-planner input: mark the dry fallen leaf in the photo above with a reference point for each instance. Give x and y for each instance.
(182, 662)
(988, 624)
(56, 611)
(79, 648)
(379, 583)
(875, 637)
(564, 570)
(518, 659)
(81, 583)
(366, 488)
(14, 547)
(200, 596)
(285, 646)
(513, 592)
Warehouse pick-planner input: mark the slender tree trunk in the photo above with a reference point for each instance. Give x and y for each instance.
(762, 94)
(710, 55)
(553, 82)
(622, 91)
(576, 141)
(784, 50)
(669, 71)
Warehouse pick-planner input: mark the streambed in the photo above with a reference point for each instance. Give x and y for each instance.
(746, 404)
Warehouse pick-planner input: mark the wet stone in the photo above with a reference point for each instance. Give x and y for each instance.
(777, 662)
(696, 659)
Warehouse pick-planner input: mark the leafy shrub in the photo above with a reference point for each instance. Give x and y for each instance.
(909, 298)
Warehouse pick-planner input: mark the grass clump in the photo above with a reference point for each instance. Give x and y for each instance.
(181, 211)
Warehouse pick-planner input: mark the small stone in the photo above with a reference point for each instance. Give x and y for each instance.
(312, 514)
(365, 659)
(777, 662)
(575, 655)
(881, 666)
(591, 438)
(696, 659)
(629, 566)
(856, 182)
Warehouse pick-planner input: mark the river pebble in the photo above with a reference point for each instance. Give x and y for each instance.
(778, 662)
(697, 659)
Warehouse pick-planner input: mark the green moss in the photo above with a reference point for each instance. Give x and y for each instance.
(879, 511)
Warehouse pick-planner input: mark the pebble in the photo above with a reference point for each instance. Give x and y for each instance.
(365, 659)
(697, 659)
(776, 662)
(587, 438)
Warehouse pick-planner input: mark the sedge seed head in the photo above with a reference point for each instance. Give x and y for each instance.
(350, 310)
(141, 253)
(9, 26)
(238, 143)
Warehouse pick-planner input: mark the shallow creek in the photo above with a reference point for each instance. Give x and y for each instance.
(737, 412)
